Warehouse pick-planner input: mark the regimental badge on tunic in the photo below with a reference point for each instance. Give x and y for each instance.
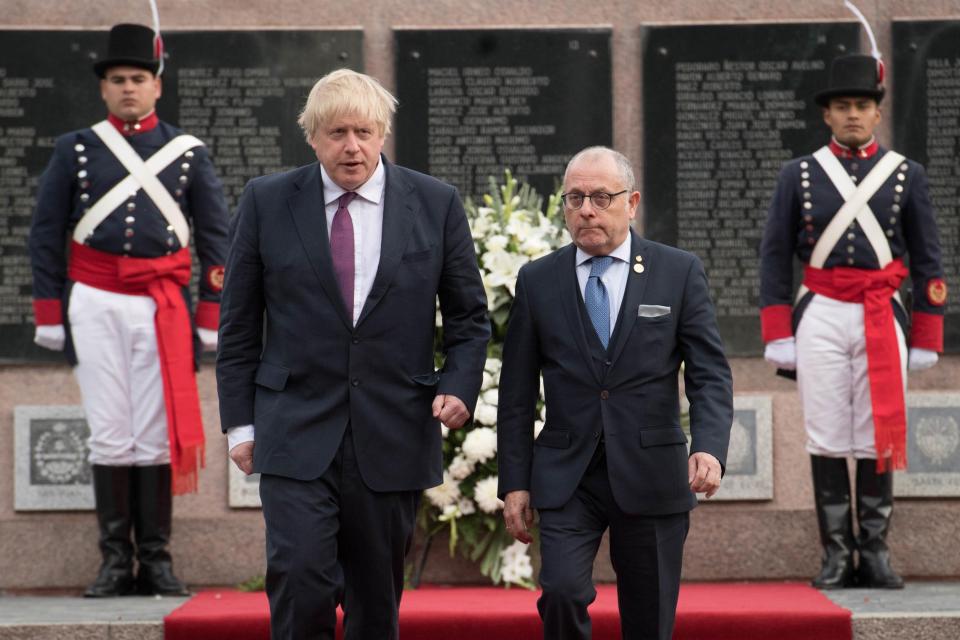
(937, 292)
(215, 278)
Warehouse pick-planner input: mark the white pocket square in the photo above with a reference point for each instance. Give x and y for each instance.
(652, 311)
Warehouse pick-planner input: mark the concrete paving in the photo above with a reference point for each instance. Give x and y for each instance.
(21, 610)
(915, 597)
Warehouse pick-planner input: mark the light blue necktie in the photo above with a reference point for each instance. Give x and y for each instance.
(595, 297)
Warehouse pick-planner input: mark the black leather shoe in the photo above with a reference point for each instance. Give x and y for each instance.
(158, 580)
(111, 582)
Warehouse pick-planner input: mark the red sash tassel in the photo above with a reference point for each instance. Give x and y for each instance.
(162, 279)
(874, 288)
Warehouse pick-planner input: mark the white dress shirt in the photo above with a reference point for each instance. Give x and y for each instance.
(366, 213)
(614, 279)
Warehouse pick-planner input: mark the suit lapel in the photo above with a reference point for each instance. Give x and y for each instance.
(569, 293)
(636, 285)
(309, 217)
(400, 206)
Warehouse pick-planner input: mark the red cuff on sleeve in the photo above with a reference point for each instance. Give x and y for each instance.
(208, 315)
(776, 322)
(47, 311)
(926, 331)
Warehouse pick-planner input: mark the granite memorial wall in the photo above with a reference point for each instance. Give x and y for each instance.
(725, 106)
(474, 102)
(238, 91)
(926, 120)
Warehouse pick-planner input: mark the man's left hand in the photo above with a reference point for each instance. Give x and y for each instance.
(704, 473)
(450, 410)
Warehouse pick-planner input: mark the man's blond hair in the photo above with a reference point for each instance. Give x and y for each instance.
(346, 92)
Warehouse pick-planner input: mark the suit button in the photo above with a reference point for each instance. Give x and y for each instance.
(608, 362)
(604, 394)
(355, 382)
(355, 340)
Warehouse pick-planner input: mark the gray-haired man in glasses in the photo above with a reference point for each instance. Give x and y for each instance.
(607, 321)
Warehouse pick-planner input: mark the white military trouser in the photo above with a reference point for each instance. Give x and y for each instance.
(832, 378)
(118, 372)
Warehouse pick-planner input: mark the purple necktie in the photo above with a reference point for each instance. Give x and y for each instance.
(341, 249)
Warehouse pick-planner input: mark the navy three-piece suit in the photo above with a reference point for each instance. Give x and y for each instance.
(611, 453)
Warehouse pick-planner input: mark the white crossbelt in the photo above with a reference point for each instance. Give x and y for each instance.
(141, 175)
(855, 207)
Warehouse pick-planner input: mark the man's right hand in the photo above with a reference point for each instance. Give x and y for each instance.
(242, 456)
(50, 336)
(782, 353)
(518, 515)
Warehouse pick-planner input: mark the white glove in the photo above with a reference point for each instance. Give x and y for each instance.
(208, 338)
(920, 359)
(782, 353)
(50, 336)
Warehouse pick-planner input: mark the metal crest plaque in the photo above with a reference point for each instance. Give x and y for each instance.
(749, 473)
(244, 490)
(50, 449)
(933, 447)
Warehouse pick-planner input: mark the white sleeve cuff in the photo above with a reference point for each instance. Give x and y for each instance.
(239, 435)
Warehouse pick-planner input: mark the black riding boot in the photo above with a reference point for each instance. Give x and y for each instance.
(831, 491)
(111, 489)
(152, 522)
(874, 508)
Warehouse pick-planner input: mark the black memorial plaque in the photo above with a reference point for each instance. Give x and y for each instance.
(238, 91)
(725, 106)
(242, 91)
(47, 87)
(474, 102)
(926, 92)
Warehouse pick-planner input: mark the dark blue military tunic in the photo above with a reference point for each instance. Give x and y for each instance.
(806, 200)
(82, 169)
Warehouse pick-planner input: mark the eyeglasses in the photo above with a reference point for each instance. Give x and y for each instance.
(599, 200)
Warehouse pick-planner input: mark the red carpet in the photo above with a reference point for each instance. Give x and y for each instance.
(706, 612)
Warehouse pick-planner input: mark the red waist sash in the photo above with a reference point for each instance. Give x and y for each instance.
(874, 288)
(162, 279)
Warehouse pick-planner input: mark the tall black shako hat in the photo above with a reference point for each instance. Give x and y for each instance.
(131, 45)
(853, 76)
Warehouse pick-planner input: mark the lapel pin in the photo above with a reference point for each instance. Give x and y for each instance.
(638, 268)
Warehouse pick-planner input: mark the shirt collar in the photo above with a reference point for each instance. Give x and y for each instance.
(621, 253)
(371, 190)
(843, 151)
(133, 127)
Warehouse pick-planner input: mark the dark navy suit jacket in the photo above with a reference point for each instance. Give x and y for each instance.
(630, 398)
(290, 360)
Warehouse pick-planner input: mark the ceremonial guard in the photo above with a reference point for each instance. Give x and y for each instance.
(854, 213)
(111, 276)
